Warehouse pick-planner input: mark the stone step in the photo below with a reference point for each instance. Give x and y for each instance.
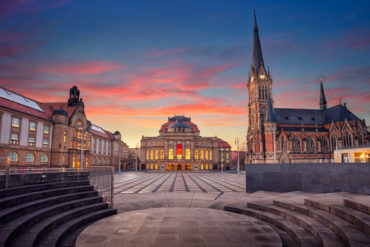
(358, 219)
(38, 187)
(357, 206)
(42, 228)
(10, 231)
(11, 201)
(322, 233)
(56, 236)
(300, 236)
(11, 213)
(345, 230)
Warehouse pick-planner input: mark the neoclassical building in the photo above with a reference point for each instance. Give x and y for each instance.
(179, 147)
(290, 135)
(52, 134)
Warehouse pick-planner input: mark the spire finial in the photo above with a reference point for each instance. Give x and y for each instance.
(323, 103)
(257, 59)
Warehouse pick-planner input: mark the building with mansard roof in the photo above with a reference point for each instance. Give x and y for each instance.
(179, 147)
(52, 134)
(290, 135)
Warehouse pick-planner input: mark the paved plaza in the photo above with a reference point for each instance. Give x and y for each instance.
(206, 182)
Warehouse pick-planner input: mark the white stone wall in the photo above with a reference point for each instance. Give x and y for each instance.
(39, 133)
(5, 128)
(24, 132)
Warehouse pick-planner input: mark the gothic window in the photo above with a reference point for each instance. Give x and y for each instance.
(347, 140)
(259, 93)
(282, 143)
(296, 145)
(264, 93)
(333, 142)
(324, 145)
(310, 145)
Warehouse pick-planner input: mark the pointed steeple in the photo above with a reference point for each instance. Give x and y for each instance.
(257, 60)
(322, 97)
(270, 115)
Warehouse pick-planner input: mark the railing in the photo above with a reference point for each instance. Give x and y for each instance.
(102, 177)
(41, 170)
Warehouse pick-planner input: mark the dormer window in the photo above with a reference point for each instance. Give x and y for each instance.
(299, 118)
(286, 118)
(313, 119)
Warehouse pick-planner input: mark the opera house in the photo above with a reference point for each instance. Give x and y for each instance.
(179, 147)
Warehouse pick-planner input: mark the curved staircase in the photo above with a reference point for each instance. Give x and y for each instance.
(313, 222)
(50, 214)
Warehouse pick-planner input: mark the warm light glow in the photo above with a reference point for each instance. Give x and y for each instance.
(156, 154)
(262, 77)
(201, 154)
(162, 154)
(196, 155)
(170, 154)
(187, 154)
(179, 151)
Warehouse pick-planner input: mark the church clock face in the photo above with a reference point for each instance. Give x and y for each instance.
(262, 77)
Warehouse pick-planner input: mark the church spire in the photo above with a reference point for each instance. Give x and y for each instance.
(257, 60)
(270, 116)
(322, 97)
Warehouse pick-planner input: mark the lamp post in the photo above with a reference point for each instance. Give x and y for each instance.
(136, 158)
(82, 148)
(237, 146)
(119, 156)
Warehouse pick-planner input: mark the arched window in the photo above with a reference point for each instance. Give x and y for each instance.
(347, 140)
(282, 143)
(333, 142)
(296, 145)
(44, 158)
(310, 145)
(324, 145)
(30, 158)
(259, 93)
(13, 156)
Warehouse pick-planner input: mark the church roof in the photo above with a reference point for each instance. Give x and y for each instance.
(338, 113)
(299, 116)
(222, 143)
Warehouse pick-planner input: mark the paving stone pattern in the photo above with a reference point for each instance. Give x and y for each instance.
(179, 182)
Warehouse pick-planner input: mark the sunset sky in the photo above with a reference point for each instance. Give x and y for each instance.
(138, 62)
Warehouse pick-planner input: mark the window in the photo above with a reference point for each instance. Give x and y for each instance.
(44, 158)
(15, 122)
(65, 137)
(310, 145)
(179, 151)
(201, 167)
(333, 142)
(45, 143)
(170, 154)
(282, 143)
(30, 157)
(201, 155)
(14, 138)
(196, 155)
(74, 162)
(187, 154)
(206, 154)
(347, 140)
(13, 156)
(147, 154)
(299, 118)
(162, 154)
(156, 154)
(324, 145)
(46, 129)
(210, 155)
(151, 155)
(296, 145)
(31, 141)
(32, 126)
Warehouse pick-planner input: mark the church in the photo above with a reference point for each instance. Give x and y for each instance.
(291, 135)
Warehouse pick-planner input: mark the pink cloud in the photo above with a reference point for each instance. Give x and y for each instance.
(84, 68)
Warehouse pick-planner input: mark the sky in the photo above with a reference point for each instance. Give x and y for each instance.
(139, 62)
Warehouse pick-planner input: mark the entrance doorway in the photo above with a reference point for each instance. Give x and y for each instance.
(179, 167)
(187, 167)
(170, 167)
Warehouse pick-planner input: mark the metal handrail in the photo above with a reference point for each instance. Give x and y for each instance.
(102, 177)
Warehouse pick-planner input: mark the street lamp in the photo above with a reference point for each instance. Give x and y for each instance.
(237, 146)
(136, 158)
(119, 156)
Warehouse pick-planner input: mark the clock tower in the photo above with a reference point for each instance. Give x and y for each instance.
(259, 87)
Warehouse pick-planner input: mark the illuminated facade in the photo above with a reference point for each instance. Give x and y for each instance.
(289, 135)
(179, 147)
(34, 134)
